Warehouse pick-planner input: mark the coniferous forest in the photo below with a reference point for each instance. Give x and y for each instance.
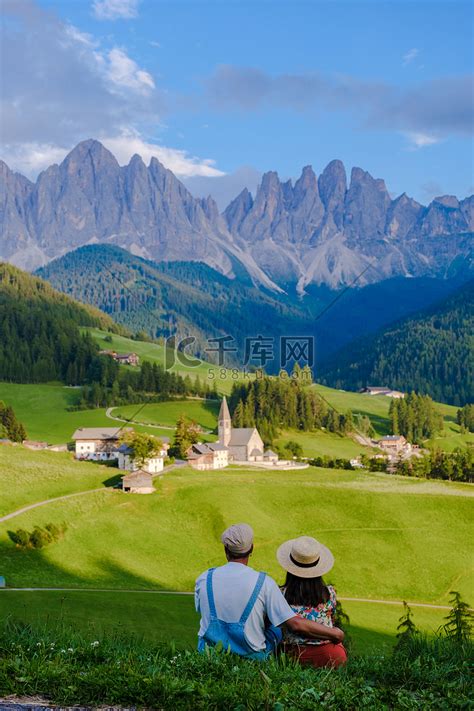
(286, 402)
(431, 353)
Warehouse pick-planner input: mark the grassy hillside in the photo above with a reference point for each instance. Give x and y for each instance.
(432, 353)
(155, 353)
(43, 410)
(27, 476)
(380, 527)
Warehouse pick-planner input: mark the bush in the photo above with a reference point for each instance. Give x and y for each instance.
(38, 537)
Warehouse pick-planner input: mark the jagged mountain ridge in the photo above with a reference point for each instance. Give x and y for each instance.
(317, 230)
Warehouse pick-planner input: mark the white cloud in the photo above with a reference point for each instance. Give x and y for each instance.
(129, 142)
(62, 85)
(115, 9)
(420, 140)
(409, 56)
(31, 158)
(124, 72)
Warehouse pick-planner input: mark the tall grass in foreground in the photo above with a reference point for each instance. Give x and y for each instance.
(69, 668)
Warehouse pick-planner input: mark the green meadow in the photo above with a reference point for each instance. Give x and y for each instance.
(43, 409)
(388, 534)
(319, 443)
(204, 412)
(156, 353)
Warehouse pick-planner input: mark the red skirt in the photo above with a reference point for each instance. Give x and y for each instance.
(318, 655)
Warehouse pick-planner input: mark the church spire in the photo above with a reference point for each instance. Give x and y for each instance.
(224, 427)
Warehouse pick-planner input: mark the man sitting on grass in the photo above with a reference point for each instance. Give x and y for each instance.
(243, 610)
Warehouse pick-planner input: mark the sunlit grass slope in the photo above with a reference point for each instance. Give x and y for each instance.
(393, 538)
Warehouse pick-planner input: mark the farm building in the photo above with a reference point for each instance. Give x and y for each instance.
(394, 444)
(388, 392)
(32, 444)
(98, 443)
(138, 482)
(124, 358)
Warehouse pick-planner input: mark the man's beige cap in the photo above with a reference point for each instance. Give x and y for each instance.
(238, 538)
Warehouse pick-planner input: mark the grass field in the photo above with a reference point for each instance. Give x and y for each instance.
(388, 533)
(161, 618)
(27, 476)
(43, 410)
(204, 412)
(324, 443)
(157, 354)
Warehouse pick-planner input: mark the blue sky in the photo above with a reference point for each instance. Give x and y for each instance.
(210, 87)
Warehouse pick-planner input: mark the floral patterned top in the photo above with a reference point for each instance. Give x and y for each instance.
(323, 613)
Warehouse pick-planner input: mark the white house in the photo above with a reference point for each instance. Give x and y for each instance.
(153, 465)
(98, 443)
(211, 455)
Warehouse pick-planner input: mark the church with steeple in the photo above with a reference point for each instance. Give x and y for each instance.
(235, 444)
(244, 443)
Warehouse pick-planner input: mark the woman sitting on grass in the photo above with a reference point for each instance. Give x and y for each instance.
(306, 560)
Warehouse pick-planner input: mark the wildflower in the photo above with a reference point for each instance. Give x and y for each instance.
(70, 649)
(95, 644)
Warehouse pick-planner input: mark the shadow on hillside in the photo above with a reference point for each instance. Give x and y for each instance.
(380, 424)
(155, 617)
(115, 479)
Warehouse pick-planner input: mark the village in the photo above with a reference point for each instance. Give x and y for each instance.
(242, 446)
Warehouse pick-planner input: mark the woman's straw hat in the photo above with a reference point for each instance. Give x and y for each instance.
(305, 557)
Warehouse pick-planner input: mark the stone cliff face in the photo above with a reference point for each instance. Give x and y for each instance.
(319, 230)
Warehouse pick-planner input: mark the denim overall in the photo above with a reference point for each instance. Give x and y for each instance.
(231, 634)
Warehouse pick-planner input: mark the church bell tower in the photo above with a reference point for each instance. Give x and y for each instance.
(224, 427)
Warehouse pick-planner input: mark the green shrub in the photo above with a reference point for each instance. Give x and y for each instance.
(38, 537)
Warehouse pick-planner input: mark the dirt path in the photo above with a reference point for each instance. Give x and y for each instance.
(175, 592)
(108, 413)
(50, 501)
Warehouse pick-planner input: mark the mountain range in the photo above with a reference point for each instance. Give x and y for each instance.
(322, 230)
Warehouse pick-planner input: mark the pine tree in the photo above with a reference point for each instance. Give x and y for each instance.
(458, 626)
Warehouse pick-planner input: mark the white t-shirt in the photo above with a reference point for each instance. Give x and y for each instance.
(233, 585)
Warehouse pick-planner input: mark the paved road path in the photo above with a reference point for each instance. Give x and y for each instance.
(172, 592)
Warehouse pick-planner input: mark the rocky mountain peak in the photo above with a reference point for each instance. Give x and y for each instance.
(332, 184)
(447, 201)
(317, 230)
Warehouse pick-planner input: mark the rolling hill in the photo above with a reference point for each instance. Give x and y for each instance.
(192, 299)
(432, 353)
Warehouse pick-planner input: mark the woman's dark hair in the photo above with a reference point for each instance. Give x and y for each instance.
(309, 592)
